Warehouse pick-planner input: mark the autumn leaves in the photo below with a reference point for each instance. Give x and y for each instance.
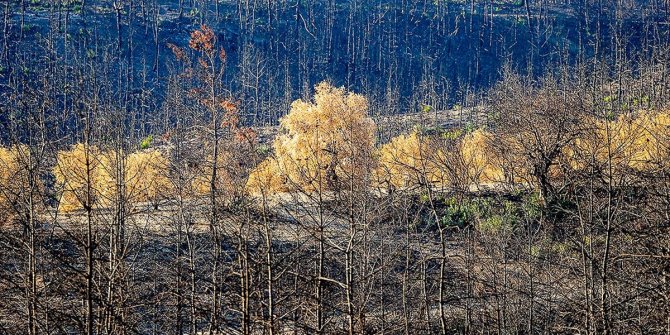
(638, 142)
(322, 145)
(329, 144)
(16, 177)
(89, 178)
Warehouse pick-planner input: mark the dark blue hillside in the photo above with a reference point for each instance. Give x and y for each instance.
(400, 53)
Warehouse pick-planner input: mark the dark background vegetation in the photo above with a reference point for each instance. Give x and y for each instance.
(398, 53)
(582, 252)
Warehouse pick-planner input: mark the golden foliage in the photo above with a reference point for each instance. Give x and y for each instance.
(650, 141)
(81, 177)
(146, 179)
(637, 142)
(483, 166)
(407, 161)
(14, 177)
(325, 142)
(9, 169)
(266, 178)
(90, 178)
(413, 160)
(304, 153)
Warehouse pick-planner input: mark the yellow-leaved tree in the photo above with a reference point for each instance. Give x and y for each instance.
(409, 161)
(323, 144)
(146, 177)
(482, 165)
(418, 160)
(638, 142)
(14, 178)
(9, 169)
(89, 178)
(267, 178)
(650, 133)
(81, 178)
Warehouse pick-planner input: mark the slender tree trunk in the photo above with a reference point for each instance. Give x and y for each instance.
(269, 269)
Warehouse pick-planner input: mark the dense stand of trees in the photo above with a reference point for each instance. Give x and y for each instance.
(550, 217)
(399, 53)
(140, 195)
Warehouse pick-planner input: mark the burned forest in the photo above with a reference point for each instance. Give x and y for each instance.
(359, 167)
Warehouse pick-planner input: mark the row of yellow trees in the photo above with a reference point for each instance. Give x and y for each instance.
(90, 177)
(331, 140)
(86, 176)
(329, 143)
(640, 142)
